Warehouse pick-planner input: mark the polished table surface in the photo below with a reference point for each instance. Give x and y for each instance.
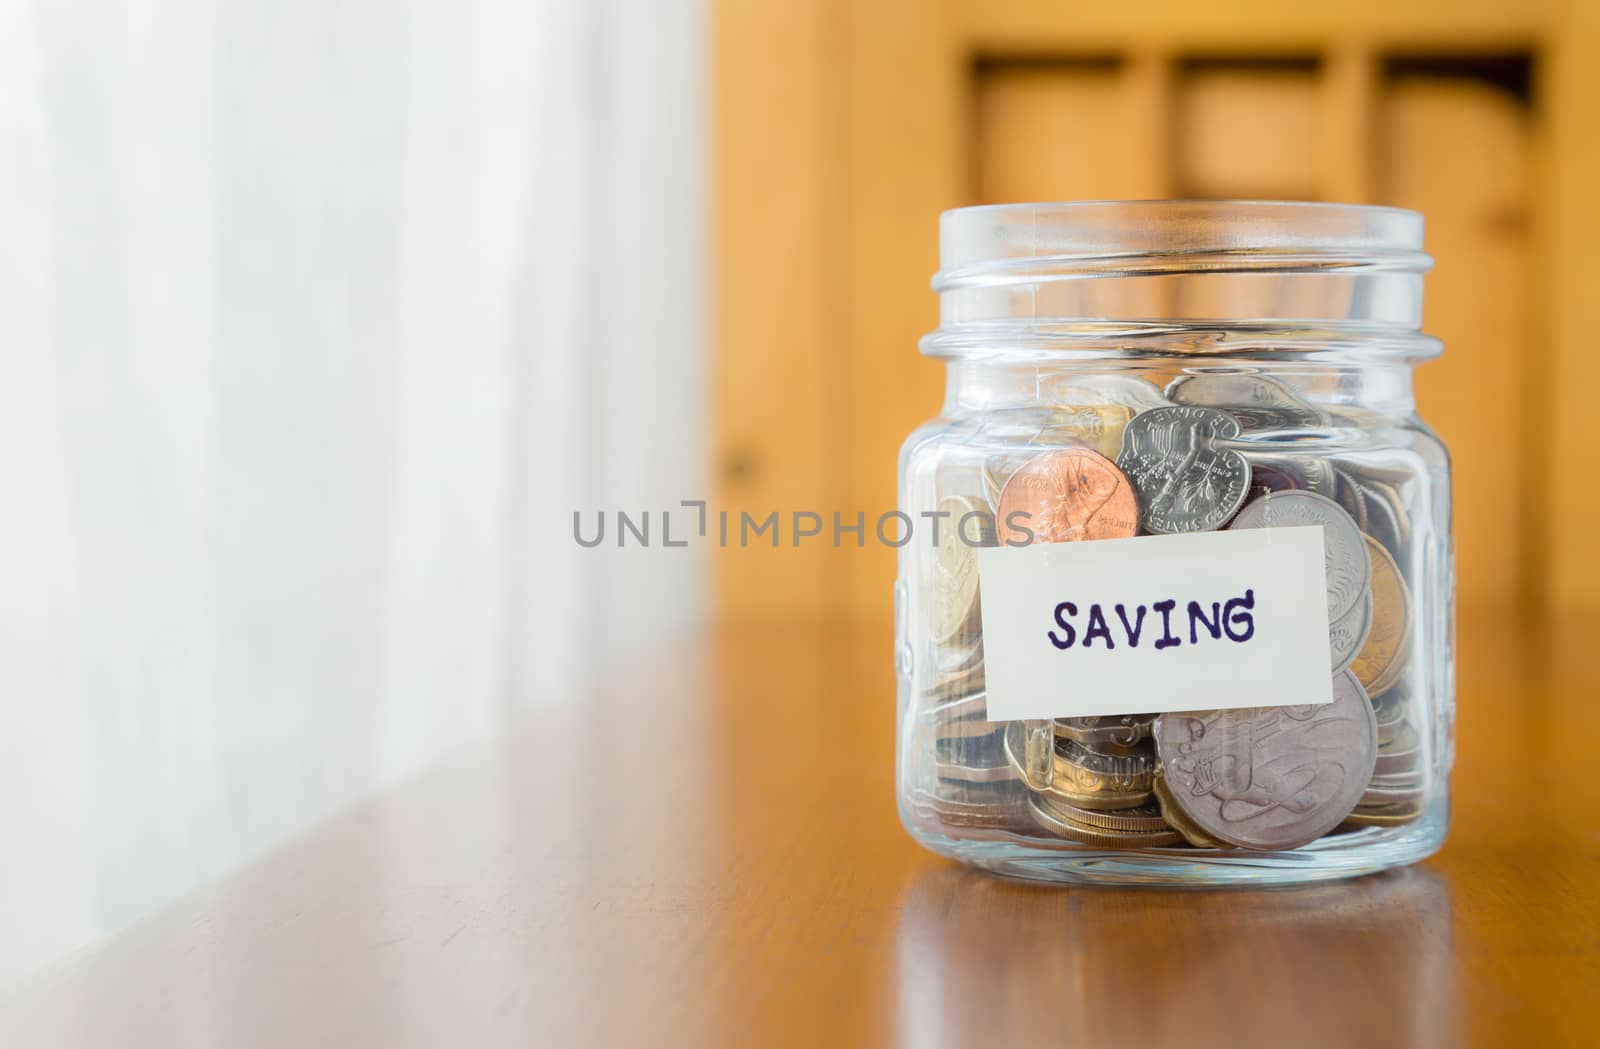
(704, 852)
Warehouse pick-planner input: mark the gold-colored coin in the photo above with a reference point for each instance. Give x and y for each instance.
(1110, 731)
(1101, 781)
(968, 524)
(1173, 813)
(1097, 426)
(1118, 390)
(1381, 660)
(1383, 799)
(1075, 775)
(1384, 816)
(1086, 834)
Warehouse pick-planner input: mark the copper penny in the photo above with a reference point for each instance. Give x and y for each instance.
(1067, 495)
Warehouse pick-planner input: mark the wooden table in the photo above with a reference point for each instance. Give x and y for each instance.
(706, 853)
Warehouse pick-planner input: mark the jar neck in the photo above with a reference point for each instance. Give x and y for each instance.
(999, 380)
(1200, 277)
(1256, 288)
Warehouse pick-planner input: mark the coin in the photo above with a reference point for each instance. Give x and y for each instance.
(1270, 777)
(1260, 403)
(960, 656)
(1076, 775)
(1030, 748)
(1126, 391)
(1382, 658)
(1398, 762)
(1348, 494)
(1116, 730)
(1386, 816)
(1344, 548)
(1390, 496)
(966, 756)
(1387, 521)
(947, 770)
(1383, 797)
(1390, 708)
(1281, 472)
(956, 684)
(994, 473)
(1102, 781)
(1273, 477)
(1090, 835)
(962, 710)
(1177, 819)
(1186, 478)
(1145, 819)
(1097, 426)
(969, 524)
(995, 806)
(1398, 737)
(1348, 633)
(1066, 495)
(965, 728)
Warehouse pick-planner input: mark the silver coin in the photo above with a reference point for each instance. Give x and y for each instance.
(972, 759)
(1398, 763)
(975, 773)
(1348, 633)
(972, 751)
(1344, 551)
(968, 524)
(964, 654)
(952, 708)
(953, 685)
(1259, 402)
(1280, 471)
(1386, 514)
(1185, 477)
(1270, 777)
(998, 806)
(1348, 495)
(1030, 747)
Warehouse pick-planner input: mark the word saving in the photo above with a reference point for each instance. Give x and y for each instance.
(1231, 619)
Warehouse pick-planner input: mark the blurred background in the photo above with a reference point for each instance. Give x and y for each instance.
(321, 321)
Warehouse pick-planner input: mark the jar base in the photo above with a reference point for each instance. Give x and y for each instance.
(1336, 856)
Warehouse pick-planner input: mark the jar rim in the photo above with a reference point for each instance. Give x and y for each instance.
(1092, 230)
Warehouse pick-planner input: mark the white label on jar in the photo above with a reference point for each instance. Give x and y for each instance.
(1204, 621)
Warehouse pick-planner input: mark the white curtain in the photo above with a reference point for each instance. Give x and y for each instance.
(318, 320)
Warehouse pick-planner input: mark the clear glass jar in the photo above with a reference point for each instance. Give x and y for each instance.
(1268, 348)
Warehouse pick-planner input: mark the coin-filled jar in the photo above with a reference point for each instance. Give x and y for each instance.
(1174, 600)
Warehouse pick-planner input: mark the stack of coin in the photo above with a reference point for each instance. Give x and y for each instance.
(1118, 457)
(1399, 777)
(973, 787)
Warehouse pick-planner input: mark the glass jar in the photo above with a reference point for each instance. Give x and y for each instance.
(1125, 374)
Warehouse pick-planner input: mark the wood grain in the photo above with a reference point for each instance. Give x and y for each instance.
(705, 853)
